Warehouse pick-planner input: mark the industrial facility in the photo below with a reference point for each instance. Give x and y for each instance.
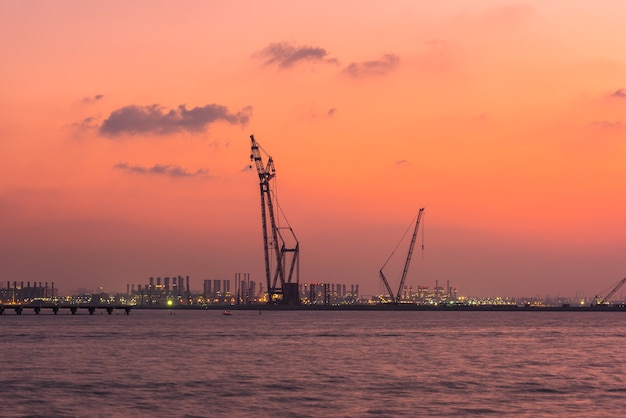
(18, 292)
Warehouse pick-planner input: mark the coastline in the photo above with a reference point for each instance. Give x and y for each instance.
(401, 307)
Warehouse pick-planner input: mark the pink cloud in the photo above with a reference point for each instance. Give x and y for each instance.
(382, 66)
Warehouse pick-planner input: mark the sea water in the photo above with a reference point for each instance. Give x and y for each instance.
(313, 364)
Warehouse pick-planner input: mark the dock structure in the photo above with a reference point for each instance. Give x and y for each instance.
(73, 308)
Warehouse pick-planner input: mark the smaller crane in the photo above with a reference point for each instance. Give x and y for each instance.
(396, 298)
(604, 300)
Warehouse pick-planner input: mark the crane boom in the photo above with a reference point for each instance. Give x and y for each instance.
(382, 276)
(395, 298)
(604, 300)
(410, 253)
(266, 173)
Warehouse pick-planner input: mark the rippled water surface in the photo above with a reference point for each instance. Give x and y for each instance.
(311, 363)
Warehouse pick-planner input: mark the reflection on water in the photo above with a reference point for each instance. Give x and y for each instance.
(302, 363)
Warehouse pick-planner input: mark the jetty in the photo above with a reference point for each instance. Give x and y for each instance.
(73, 309)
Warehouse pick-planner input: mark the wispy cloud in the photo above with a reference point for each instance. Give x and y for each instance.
(607, 124)
(619, 93)
(319, 114)
(382, 66)
(402, 163)
(161, 170)
(86, 123)
(92, 99)
(285, 55)
(155, 119)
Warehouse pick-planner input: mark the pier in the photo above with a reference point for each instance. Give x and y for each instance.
(18, 309)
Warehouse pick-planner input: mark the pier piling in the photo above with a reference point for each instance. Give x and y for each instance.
(37, 309)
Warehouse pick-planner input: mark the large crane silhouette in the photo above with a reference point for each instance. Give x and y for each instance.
(282, 257)
(396, 298)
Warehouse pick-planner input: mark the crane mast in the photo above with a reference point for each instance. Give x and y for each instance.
(410, 253)
(396, 297)
(280, 256)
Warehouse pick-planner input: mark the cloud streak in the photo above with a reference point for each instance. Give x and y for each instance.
(161, 170)
(85, 124)
(382, 66)
(607, 124)
(92, 99)
(155, 119)
(619, 93)
(286, 55)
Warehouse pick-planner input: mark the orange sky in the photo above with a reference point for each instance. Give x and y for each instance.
(125, 140)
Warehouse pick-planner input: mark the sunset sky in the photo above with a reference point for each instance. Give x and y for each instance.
(124, 140)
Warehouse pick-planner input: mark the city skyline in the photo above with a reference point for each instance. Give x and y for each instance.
(125, 140)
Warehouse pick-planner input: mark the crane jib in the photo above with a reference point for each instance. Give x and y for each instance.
(396, 298)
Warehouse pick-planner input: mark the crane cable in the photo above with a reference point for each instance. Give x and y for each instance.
(282, 213)
(400, 242)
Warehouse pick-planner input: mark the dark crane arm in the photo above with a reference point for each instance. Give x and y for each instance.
(382, 276)
(266, 173)
(408, 257)
(615, 289)
(395, 298)
(599, 300)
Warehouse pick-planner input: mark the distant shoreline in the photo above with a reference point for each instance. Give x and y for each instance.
(400, 307)
(126, 309)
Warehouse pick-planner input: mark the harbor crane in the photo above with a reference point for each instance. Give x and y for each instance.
(282, 252)
(604, 300)
(396, 298)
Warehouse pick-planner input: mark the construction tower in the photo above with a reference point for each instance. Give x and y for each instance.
(282, 251)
